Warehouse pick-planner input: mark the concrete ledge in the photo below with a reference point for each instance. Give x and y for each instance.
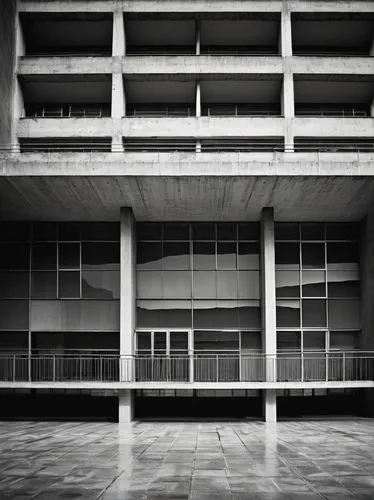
(333, 127)
(332, 65)
(64, 65)
(65, 127)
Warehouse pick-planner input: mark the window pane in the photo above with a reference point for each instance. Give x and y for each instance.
(164, 313)
(248, 231)
(44, 256)
(14, 231)
(144, 340)
(14, 285)
(69, 231)
(177, 284)
(314, 284)
(288, 313)
(176, 231)
(343, 283)
(249, 285)
(204, 231)
(227, 285)
(344, 313)
(312, 231)
(149, 231)
(249, 256)
(215, 314)
(314, 341)
(100, 256)
(69, 284)
(14, 341)
(101, 231)
(226, 255)
(249, 314)
(149, 255)
(250, 341)
(344, 340)
(44, 285)
(14, 256)
(14, 314)
(159, 343)
(69, 255)
(314, 313)
(287, 255)
(149, 284)
(342, 231)
(179, 342)
(213, 341)
(204, 284)
(342, 255)
(176, 255)
(45, 231)
(226, 231)
(288, 341)
(101, 284)
(287, 231)
(204, 256)
(287, 283)
(313, 255)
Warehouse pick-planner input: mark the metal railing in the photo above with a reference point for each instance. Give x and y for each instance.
(334, 366)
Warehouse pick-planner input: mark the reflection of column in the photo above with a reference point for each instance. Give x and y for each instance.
(125, 406)
(268, 307)
(198, 99)
(198, 34)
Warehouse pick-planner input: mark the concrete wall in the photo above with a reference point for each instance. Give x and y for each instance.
(7, 54)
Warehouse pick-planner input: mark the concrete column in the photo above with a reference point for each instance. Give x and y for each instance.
(125, 406)
(198, 35)
(18, 102)
(118, 39)
(288, 109)
(367, 299)
(118, 110)
(198, 99)
(268, 308)
(286, 33)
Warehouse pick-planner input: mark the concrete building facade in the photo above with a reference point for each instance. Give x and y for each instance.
(186, 208)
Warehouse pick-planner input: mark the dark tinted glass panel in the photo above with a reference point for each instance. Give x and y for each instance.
(176, 255)
(313, 341)
(14, 314)
(287, 231)
(101, 231)
(14, 231)
(205, 284)
(287, 283)
(69, 284)
(314, 313)
(165, 313)
(149, 255)
(149, 231)
(226, 231)
(69, 255)
(159, 343)
(287, 255)
(215, 314)
(342, 255)
(44, 285)
(213, 341)
(249, 285)
(100, 255)
(69, 231)
(150, 284)
(312, 231)
(14, 256)
(249, 314)
(249, 255)
(179, 342)
(227, 285)
(205, 231)
(204, 256)
(248, 231)
(344, 340)
(144, 341)
(344, 313)
(44, 256)
(313, 255)
(101, 284)
(14, 285)
(342, 231)
(314, 284)
(45, 231)
(177, 284)
(344, 283)
(14, 341)
(288, 341)
(176, 231)
(288, 313)
(226, 255)
(250, 341)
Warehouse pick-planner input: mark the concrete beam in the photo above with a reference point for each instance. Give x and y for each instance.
(61, 65)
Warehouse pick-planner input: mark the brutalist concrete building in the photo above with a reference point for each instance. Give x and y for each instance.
(186, 208)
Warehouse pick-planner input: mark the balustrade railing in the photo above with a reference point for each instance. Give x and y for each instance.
(284, 367)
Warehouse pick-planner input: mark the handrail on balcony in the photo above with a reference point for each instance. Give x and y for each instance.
(312, 366)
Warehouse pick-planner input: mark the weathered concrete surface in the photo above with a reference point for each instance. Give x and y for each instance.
(65, 65)
(7, 54)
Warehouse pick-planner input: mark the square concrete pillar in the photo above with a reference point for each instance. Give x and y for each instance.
(118, 38)
(268, 309)
(198, 99)
(285, 40)
(125, 406)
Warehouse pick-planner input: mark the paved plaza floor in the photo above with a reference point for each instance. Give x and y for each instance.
(330, 459)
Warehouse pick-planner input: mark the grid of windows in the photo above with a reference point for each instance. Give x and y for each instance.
(317, 284)
(202, 275)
